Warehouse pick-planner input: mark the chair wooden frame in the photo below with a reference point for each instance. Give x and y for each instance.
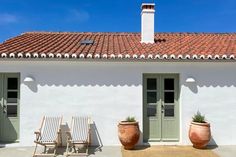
(72, 142)
(47, 137)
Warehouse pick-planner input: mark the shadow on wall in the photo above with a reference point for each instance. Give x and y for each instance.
(85, 78)
(96, 141)
(122, 76)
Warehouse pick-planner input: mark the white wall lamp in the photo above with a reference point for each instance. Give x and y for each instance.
(29, 79)
(190, 80)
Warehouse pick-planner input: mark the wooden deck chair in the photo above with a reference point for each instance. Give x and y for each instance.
(48, 135)
(78, 135)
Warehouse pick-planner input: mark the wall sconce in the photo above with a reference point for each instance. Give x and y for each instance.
(190, 80)
(29, 79)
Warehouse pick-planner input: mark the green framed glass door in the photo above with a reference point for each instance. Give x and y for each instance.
(160, 107)
(9, 106)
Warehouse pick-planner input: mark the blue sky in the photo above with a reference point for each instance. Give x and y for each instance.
(17, 16)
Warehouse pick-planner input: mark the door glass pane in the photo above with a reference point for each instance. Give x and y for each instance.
(12, 110)
(151, 84)
(12, 83)
(169, 97)
(151, 110)
(169, 84)
(11, 97)
(169, 111)
(151, 97)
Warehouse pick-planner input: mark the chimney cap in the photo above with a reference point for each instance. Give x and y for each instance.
(148, 6)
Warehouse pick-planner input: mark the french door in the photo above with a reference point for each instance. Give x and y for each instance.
(9, 106)
(160, 107)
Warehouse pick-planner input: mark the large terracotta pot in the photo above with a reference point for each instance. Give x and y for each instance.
(128, 133)
(199, 134)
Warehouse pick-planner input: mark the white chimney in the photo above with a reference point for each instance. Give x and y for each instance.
(147, 26)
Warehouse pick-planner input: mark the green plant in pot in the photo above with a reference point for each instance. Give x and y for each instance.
(199, 131)
(128, 132)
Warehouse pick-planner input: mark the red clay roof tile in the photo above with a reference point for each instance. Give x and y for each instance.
(121, 45)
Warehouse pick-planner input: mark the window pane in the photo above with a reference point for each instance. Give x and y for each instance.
(151, 110)
(151, 97)
(151, 84)
(169, 97)
(11, 97)
(12, 110)
(12, 83)
(169, 84)
(169, 111)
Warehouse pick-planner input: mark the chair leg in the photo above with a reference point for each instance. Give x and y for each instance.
(35, 149)
(67, 149)
(55, 150)
(45, 149)
(87, 149)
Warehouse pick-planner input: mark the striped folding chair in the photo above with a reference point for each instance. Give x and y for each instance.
(78, 135)
(48, 135)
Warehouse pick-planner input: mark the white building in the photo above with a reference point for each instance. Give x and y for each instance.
(160, 78)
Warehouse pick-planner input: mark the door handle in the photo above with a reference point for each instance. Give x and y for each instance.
(4, 109)
(162, 106)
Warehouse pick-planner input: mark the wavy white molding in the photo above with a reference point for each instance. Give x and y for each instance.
(165, 56)
(51, 55)
(157, 56)
(150, 56)
(172, 56)
(97, 55)
(127, 56)
(142, 56)
(112, 56)
(19, 55)
(134, 56)
(209, 56)
(231, 56)
(216, 57)
(180, 56)
(4, 55)
(81, 55)
(202, 56)
(104, 56)
(35, 55)
(12, 55)
(195, 56)
(120, 56)
(224, 57)
(187, 57)
(28, 55)
(58, 55)
(89, 55)
(66, 55)
(43, 55)
(74, 55)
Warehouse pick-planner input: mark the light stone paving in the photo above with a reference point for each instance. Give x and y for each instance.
(106, 151)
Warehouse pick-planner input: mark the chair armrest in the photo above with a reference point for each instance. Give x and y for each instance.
(68, 133)
(37, 132)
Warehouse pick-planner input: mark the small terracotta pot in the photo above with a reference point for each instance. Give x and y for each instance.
(199, 134)
(128, 133)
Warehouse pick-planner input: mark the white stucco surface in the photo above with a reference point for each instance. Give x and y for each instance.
(111, 91)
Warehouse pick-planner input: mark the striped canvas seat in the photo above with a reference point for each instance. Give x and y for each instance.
(48, 135)
(80, 129)
(79, 134)
(50, 129)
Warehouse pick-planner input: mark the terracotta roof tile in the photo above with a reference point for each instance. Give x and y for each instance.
(120, 45)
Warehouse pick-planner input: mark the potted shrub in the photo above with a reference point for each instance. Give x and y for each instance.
(199, 131)
(128, 132)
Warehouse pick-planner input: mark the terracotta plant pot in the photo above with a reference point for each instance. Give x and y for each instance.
(199, 134)
(128, 133)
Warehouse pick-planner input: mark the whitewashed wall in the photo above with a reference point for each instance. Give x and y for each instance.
(111, 91)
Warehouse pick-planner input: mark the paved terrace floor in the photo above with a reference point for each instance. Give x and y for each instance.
(116, 151)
